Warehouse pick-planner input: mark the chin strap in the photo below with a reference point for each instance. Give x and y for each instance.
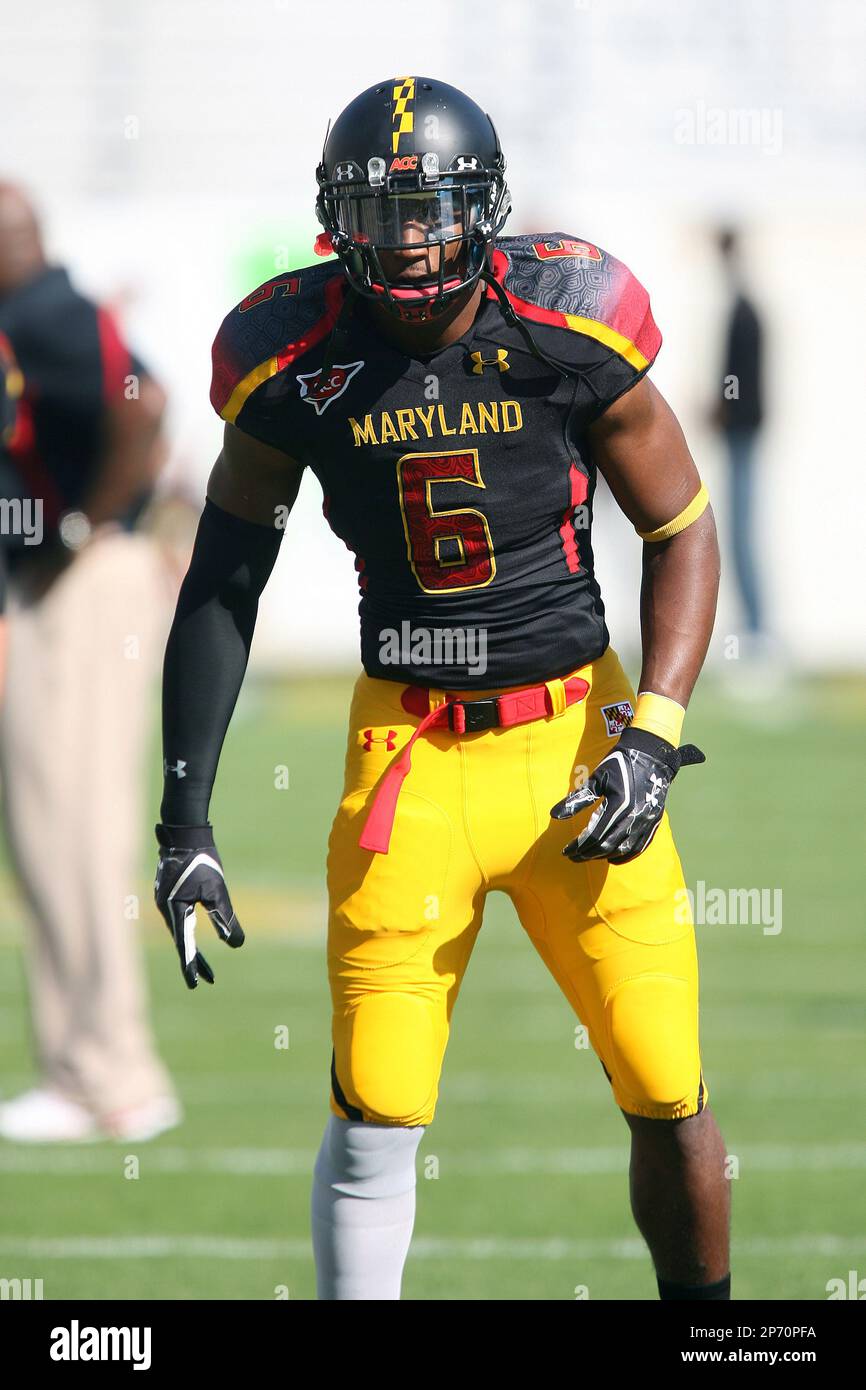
(568, 373)
(512, 319)
(338, 340)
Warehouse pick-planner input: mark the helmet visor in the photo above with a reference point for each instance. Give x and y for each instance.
(411, 218)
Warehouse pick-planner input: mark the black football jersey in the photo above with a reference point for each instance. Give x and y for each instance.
(462, 481)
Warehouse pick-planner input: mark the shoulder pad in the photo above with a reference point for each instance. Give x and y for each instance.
(561, 280)
(268, 330)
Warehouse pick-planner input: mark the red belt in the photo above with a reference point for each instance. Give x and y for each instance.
(462, 717)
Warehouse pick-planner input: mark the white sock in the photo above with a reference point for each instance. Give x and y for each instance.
(363, 1208)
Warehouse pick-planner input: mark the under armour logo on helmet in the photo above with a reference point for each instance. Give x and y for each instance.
(464, 163)
(370, 738)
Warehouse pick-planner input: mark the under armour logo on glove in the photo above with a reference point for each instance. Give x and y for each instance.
(190, 871)
(633, 783)
(658, 785)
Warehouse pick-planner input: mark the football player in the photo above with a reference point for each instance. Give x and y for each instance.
(456, 392)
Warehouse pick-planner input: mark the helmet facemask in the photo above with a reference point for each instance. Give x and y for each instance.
(367, 212)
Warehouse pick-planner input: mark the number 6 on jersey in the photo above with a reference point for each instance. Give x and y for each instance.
(448, 550)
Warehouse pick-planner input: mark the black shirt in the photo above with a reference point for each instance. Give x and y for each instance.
(74, 363)
(10, 390)
(743, 351)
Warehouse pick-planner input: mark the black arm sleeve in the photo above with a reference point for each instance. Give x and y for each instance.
(206, 654)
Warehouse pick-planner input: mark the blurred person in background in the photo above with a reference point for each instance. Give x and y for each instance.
(11, 384)
(739, 416)
(88, 605)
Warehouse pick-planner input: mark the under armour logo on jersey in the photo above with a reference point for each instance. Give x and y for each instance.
(370, 738)
(178, 768)
(479, 361)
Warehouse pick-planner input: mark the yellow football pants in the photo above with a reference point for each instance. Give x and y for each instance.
(473, 815)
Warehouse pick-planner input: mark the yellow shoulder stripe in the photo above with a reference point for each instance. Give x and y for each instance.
(609, 336)
(246, 386)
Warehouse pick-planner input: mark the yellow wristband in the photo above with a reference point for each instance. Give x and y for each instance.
(696, 508)
(659, 715)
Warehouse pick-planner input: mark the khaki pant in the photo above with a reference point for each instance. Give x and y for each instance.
(73, 731)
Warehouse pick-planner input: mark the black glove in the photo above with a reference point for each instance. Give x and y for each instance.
(189, 871)
(633, 780)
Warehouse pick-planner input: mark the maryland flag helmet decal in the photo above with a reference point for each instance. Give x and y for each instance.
(402, 116)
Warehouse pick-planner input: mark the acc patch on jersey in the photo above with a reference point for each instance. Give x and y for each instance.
(617, 717)
(320, 393)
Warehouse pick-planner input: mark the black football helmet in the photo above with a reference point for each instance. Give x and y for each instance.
(411, 155)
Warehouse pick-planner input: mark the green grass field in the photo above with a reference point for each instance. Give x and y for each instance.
(531, 1195)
